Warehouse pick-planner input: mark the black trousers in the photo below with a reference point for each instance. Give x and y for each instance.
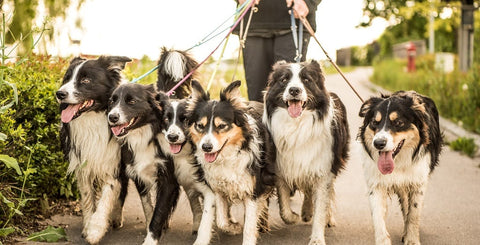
(260, 54)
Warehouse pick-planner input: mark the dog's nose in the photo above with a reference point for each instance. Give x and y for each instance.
(61, 95)
(380, 143)
(207, 147)
(294, 91)
(172, 137)
(113, 117)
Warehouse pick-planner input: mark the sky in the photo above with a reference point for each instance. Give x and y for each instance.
(141, 27)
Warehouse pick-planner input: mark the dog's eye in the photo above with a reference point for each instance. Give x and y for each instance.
(199, 126)
(375, 123)
(131, 102)
(306, 80)
(222, 126)
(398, 123)
(85, 81)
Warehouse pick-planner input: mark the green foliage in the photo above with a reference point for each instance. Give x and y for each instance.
(457, 94)
(465, 145)
(50, 234)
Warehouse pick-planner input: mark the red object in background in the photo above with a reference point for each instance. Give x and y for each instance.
(411, 53)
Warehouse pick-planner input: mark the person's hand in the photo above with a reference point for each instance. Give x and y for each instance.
(300, 8)
(242, 1)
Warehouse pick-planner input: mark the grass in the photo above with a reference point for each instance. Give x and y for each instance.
(465, 145)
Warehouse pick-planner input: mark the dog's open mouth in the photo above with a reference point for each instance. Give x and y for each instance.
(212, 156)
(121, 130)
(295, 108)
(72, 111)
(176, 148)
(385, 159)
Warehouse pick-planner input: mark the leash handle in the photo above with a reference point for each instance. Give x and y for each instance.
(297, 39)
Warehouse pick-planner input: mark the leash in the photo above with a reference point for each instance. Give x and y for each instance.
(242, 39)
(297, 39)
(207, 38)
(312, 33)
(249, 6)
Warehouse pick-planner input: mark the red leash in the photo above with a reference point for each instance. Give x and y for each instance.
(218, 46)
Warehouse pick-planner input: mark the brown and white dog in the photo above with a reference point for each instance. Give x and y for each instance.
(309, 127)
(402, 142)
(236, 156)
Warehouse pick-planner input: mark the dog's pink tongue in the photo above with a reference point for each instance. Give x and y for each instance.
(118, 129)
(295, 108)
(69, 112)
(210, 157)
(175, 148)
(385, 162)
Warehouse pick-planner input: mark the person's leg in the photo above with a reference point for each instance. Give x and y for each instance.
(284, 47)
(257, 62)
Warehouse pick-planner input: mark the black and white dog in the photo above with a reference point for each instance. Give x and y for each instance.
(87, 142)
(310, 130)
(174, 65)
(236, 155)
(402, 142)
(134, 114)
(176, 143)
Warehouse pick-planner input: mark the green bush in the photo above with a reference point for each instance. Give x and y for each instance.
(465, 145)
(32, 126)
(456, 94)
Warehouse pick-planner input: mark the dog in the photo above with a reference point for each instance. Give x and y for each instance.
(402, 142)
(309, 127)
(173, 66)
(176, 143)
(134, 115)
(236, 156)
(93, 155)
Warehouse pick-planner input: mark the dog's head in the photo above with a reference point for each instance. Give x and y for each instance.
(217, 125)
(132, 106)
(175, 125)
(87, 85)
(397, 126)
(296, 87)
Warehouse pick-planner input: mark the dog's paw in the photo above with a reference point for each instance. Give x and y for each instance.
(317, 241)
(331, 222)
(307, 215)
(232, 229)
(94, 234)
(410, 240)
(291, 218)
(149, 240)
(383, 240)
(117, 223)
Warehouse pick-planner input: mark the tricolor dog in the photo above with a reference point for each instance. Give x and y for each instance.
(402, 141)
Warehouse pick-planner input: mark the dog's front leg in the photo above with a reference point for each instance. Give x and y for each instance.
(99, 222)
(195, 206)
(412, 225)
(87, 200)
(223, 223)
(320, 209)
(205, 228)
(378, 206)
(288, 216)
(146, 200)
(250, 230)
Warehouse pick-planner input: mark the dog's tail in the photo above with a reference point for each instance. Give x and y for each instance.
(174, 65)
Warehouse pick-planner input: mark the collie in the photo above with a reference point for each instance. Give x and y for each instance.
(176, 143)
(310, 130)
(402, 141)
(88, 145)
(236, 156)
(134, 114)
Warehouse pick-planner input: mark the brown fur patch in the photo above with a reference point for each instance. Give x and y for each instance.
(195, 135)
(411, 137)
(378, 117)
(393, 116)
(234, 136)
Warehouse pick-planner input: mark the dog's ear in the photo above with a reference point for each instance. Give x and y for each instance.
(77, 60)
(232, 91)
(114, 63)
(198, 93)
(368, 104)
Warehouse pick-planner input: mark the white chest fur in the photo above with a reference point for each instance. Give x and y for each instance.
(304, 145)
(93, 151)
(146, 160)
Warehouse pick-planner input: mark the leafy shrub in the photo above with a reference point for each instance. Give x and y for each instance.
(32, 127)
(456, 94)
(465, 145)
